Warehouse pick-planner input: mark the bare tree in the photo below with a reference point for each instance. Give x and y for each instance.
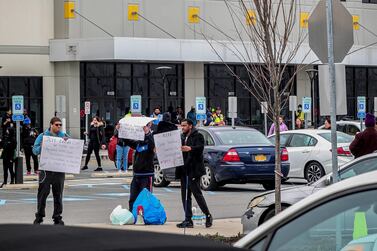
(266, 41)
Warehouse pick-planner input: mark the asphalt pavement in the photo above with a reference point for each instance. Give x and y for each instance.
(89, 200)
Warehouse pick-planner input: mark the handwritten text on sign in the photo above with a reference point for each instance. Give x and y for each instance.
(168, 148)
(61, 155)
(134, 132)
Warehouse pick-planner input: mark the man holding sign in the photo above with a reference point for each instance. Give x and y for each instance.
(191, 172)
(50, 178)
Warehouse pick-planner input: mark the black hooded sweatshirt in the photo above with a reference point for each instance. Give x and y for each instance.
(144, 155)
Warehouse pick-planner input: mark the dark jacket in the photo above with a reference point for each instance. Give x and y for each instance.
(28, 136)
(364, 142)
(194, 163)
(97, 134)
(144, 155)
(10, 143)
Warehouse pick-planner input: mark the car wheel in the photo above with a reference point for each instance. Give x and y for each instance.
(270, 213)
(313, 172)
(207, 181)
(159, 178)
(269, 185)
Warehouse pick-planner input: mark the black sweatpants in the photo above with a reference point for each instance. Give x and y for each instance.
(8, 166)
(46, 180)
(192, 188)
(28, 155)
(93, 146)
(137, 185)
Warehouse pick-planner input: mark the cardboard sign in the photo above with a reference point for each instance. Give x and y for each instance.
(59, 155)
(168, 149)
(132, 127)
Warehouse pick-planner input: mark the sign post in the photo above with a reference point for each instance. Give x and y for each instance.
(306, 108)
(264, 110)
(293, 108)
(201, 107)
(232, 104)
(375, 106)
(60, 110)
(361, 109)
(18, 111)
(136, 105)
(87, 112)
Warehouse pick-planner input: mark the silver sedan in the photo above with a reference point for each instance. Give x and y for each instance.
(262, 207)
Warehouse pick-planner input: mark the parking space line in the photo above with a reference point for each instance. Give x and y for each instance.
(168, 190)
(126, 187)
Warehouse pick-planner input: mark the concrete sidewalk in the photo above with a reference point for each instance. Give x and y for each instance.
(223, 227)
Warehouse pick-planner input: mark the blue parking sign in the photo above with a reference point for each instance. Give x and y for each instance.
(306, 104)
(136, 104)
(17, 105)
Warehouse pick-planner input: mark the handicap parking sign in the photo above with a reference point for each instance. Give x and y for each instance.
(200, 105)
(306, 104)
(136, 104)
(17, 105)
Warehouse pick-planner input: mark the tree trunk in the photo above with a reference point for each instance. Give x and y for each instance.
(277, 155)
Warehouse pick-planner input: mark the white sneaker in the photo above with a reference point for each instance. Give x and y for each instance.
(119, 171)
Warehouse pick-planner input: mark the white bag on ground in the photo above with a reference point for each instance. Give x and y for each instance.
(121, 216)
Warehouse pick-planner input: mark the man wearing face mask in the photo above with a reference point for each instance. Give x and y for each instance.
(143, 168)
(299, 114)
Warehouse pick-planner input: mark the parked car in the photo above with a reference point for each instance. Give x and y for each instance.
(233, 155)
(262, 207)
(309, 152)
(327, 220)
(351, 127)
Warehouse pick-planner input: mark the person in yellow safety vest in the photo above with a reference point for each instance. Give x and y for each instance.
(299, 114)
(218, 117)
(129, 114)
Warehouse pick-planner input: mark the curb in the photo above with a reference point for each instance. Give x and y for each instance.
(110, 175)
(35, 177)
(224, 227)
(25, 186)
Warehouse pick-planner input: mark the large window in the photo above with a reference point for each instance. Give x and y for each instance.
(109, 86)
(31, 89)
(220, 84)
(360, 81)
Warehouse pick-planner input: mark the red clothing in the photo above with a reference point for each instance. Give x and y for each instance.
(364, 142)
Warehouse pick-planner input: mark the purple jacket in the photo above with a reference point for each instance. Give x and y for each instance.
(283, 128)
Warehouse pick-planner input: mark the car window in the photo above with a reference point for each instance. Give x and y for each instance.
(330, 226)
(358, 168)
(352, 130)
(208, 141)
(300, 140)
(283, 139)
(341, 128)
(341, 136)
(242, 137)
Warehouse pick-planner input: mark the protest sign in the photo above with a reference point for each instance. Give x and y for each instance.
(59, 155)
(168, 149)
(132, 127)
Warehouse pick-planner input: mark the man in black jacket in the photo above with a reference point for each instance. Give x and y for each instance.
(191, 172)
(143, 168)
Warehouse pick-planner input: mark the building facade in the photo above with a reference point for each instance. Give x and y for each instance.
(104, 53)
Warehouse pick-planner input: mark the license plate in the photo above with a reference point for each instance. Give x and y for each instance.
(260, 157)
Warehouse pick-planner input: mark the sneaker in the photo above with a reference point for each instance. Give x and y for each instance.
(38, 221)
(59, 222)
(84, 168)
(99, 169)
(185, 224)
(209, 221)
(120, 171)
(36, 172)
(2, 185)
(28, 173)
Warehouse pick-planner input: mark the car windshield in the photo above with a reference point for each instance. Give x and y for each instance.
(342, 137)
(242, 137)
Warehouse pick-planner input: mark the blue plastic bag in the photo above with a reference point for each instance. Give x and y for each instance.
(154, 212)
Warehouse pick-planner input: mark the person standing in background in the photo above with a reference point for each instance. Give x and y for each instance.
(8, 154)
(282, 125)
(29, 135)
(191, 115)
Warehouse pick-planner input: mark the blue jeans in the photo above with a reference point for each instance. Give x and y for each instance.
(122, 153)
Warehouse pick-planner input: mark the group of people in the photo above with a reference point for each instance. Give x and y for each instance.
(9, 145)
(143, 165)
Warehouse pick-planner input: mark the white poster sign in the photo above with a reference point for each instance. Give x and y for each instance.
(168, 149)
(132, 127)
(59, 155)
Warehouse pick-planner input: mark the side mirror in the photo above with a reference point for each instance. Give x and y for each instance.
(328, 181)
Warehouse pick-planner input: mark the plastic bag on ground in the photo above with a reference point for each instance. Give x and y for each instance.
(153, 211)
(121, 216)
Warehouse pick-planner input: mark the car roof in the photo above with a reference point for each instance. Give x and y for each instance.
(225, 128)
(306, 131)
(359, 182)
(47, 237)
